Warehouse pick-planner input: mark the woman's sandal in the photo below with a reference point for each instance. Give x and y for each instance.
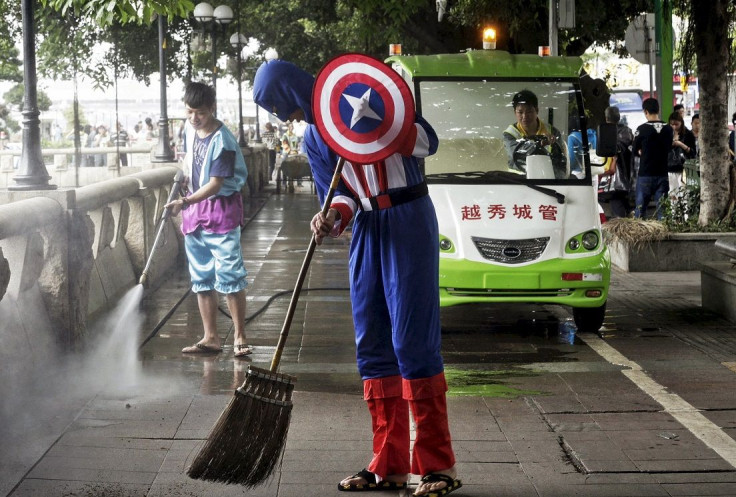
(451, 483)
(371, 484)
(242, 350)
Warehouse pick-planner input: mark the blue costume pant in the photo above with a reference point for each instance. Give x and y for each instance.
(394, 263)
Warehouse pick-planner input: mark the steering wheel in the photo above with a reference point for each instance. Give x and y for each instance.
(536, 145)
(526, 146)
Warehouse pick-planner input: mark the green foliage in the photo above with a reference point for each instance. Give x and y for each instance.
(7, 123)
(522, 27)
(680, 213)
(68, 114)
(106, 12)
(15, 96)
(10, 64)
(67, 48)
(685, 51)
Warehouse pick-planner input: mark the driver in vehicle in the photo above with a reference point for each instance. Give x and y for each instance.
(529, 135)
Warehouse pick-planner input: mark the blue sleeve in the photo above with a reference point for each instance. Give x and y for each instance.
(223, 166)
(322, 161)
(431, 133)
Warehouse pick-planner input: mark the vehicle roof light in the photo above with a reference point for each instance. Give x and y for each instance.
(394, 49)
(489, 39)
(544, 51)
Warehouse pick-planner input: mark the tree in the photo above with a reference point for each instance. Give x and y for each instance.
(106, 12)
(523, 27)
(15, 96)
(9, 61)
(709, 40)
(7, 123)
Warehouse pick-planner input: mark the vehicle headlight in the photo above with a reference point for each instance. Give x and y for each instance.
(573, 244)
(590, 240)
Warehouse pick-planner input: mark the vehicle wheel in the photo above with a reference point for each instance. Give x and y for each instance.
(589, 319)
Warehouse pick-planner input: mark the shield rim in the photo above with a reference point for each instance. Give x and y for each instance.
(402, 87)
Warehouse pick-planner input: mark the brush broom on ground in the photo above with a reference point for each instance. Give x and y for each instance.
(248, 439)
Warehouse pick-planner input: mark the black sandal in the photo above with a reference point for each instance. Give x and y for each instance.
(371, 484)
(452, 484)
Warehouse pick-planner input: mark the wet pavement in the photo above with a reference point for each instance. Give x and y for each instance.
(647, 407)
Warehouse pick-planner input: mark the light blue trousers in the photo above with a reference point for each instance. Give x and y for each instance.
(215, 261)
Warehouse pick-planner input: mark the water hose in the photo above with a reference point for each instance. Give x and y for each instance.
(175, 189)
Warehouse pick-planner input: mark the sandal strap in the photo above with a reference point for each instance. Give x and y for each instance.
(437, 478)
(366, 475)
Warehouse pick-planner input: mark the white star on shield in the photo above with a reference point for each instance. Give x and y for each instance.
(361, 107)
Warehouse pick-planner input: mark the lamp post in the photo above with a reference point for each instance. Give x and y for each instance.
(222, 15)
(269, 55)
(237, 41)
(163, 152)
(32, 173)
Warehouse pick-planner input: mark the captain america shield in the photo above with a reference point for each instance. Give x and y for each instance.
(362, 108)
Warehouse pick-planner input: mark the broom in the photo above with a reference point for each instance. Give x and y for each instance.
(248, 439)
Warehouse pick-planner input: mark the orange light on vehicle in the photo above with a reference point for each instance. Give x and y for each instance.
(394, 49)
(489, 39)
(544, 51)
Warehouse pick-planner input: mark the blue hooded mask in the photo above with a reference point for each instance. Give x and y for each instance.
(280, 87)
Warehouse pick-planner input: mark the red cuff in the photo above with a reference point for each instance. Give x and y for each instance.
(345, 215)
(424, 388)
(382, 388)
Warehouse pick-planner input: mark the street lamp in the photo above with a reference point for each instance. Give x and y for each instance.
(163, 152)
(269, 55)
(221, 15)
(32, 173)
(237, 41)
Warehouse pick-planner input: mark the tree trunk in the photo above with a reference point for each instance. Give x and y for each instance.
(711, 47)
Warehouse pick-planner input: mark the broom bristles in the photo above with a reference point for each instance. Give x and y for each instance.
(248, 439)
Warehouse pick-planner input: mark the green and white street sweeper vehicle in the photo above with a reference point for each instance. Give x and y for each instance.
(518, 214)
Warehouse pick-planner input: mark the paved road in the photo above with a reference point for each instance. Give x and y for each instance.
(645, 408)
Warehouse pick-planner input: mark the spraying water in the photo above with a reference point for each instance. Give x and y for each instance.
(113, 362)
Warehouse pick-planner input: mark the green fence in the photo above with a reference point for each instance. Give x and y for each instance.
(691, 172)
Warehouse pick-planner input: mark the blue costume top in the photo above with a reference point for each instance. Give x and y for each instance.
(394, 253)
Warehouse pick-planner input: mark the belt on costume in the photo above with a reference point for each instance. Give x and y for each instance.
(395, 198)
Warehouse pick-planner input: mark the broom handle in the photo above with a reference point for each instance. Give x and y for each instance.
(303, 271)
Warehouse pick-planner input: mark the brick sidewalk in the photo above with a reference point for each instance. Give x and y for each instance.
(556, 418)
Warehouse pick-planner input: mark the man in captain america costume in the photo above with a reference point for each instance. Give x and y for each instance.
(393, 280)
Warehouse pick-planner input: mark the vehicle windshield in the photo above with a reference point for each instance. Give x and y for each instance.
(484, 138)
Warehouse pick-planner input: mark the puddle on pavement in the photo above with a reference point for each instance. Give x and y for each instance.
(485, 383)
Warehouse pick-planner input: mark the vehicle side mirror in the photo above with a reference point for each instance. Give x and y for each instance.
(607, 139)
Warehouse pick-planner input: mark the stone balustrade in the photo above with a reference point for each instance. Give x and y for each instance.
(68, 255)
